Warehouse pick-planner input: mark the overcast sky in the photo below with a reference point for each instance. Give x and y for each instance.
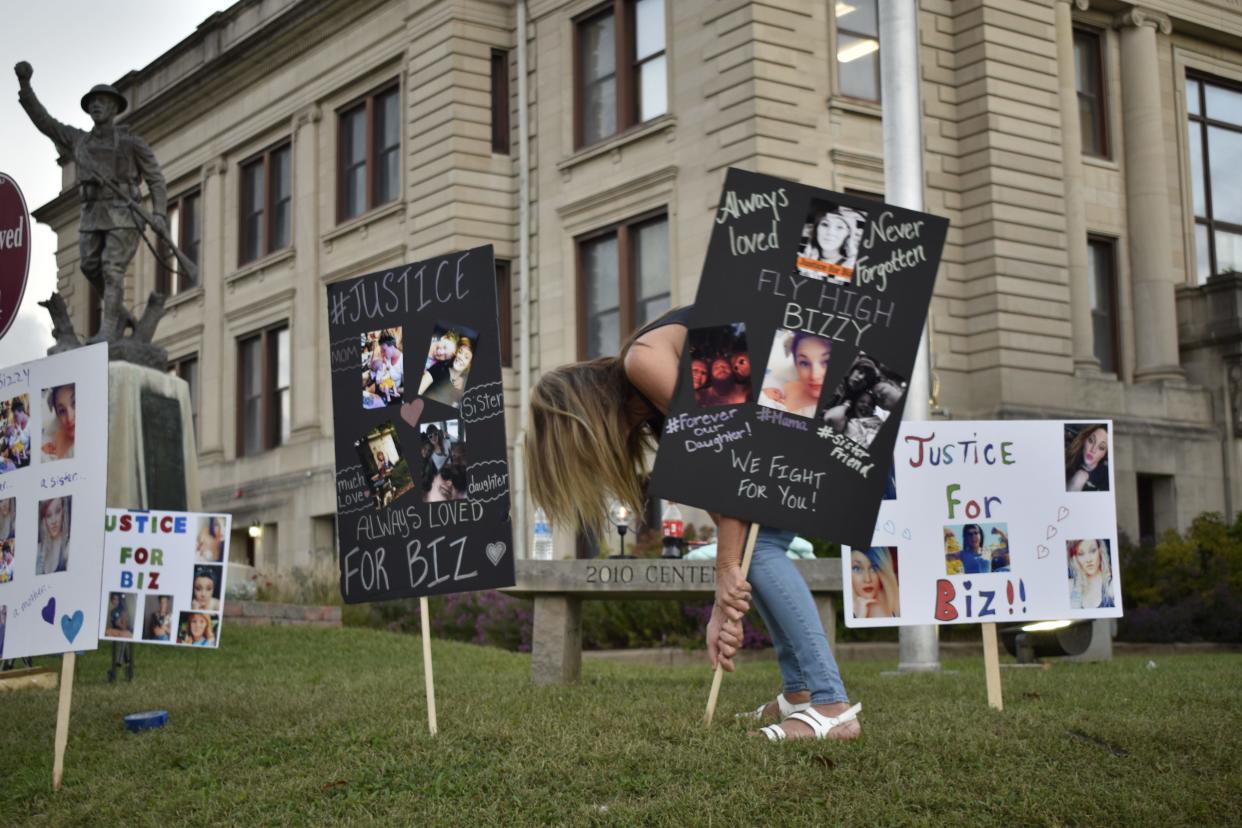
(72, 45)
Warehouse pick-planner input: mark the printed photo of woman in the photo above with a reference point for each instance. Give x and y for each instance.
(863, 400)
(1090, 574)
(59, 428)
(449, 359)
(383, 368)
(198, 629)
(206, 594)
(976, 549)
(8, 518)
(159, 618)
(209, 545)
(830, 241)
(15, 433)
(873, 579)
(444, 475)
(794, 378)
(1086, 457)
(7, 554)
(55, 519)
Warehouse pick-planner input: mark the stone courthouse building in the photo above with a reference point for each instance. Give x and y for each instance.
(1087, 154)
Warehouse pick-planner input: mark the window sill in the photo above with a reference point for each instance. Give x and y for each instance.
(260, 264)
(1102, 163)
(362, 221)
(856, 105)
(183, 297)
(635, 133)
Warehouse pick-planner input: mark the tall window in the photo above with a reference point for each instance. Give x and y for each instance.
(858, 49)
(369, 160)
(266, 203)
(621, 69)
(1089, 77)
(504, 310)
(1103, 282)
(185, 228)
(263, 373)
(500, 101)
(187, 369)
(1215, 132)
(623, 283)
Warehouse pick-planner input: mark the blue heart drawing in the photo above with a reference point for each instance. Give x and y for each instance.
(49, 610)
(72, 625)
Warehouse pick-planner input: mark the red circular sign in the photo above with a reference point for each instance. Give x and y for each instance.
(14, 250)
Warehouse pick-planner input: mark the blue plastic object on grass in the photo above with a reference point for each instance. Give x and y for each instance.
(148, 720)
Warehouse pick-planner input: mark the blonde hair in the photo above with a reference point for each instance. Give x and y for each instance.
(588, 441)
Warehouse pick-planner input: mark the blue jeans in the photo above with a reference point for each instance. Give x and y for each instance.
(784, 601)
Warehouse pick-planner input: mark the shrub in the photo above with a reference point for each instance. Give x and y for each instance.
(1185, 588)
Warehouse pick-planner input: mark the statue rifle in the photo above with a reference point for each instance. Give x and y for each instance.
(191, 269)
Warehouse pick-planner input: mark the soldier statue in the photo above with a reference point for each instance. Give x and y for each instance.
(111, 164)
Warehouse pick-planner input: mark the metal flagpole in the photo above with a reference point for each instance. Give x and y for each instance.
(903, 185)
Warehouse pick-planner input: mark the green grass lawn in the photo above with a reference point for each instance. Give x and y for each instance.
(298, 726)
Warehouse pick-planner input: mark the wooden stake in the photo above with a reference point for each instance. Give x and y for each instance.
(751, 535)
(431, 684)
(62, 717)
(991, 666)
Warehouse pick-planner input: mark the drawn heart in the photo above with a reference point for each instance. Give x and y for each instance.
(1042, 552)
(495, 551)
(411, 412)
(906, 534)
(1052, 531)
(1062, 514)
(72, 625)
(49, 610)
(889, 527)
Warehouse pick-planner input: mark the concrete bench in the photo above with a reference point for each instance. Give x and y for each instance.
(559, 588)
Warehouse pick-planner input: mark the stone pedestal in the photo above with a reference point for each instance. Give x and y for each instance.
(152, 462)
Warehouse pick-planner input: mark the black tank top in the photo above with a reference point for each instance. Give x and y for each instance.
(674, 316)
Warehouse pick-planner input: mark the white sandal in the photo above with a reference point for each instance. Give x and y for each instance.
(787, 709)
(819, 723)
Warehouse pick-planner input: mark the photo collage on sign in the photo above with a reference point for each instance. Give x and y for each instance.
(831, 236)
(1089, 560)
(875, 582)
(442, 457)
(440, 470)
(720, 365)
(200, 625)
(976, 548)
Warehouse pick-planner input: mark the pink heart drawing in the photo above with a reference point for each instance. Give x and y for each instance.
(1042, 551)
(411, 412)
(1062, 514)
(1052, 531)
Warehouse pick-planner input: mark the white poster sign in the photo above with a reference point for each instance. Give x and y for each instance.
(991, 521)
(53, 479)
(163, 577)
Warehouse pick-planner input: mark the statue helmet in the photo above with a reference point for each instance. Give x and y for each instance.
(105, 89)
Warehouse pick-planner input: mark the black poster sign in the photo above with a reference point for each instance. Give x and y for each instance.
(801, 345)
(422, 476)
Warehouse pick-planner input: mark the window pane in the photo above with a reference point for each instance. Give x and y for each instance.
(284, 428)
(282, 192)
(1194, 140)
(1228, 252)
(651, 270)
(1224, 104)
(252, 395)
(1089, 125)
(1192, 97)
(388, 142)
(603, 296)
(648, 28)
(253, 194)
(1102, 319)
(282, 358)
(599, 110)
(1203, 257)
(1225, 163)
(355, 191)
(652, 89)
(858, 16)
(1087, 62)
(191, 234)
(598, 73)
(858, 66)
(354, 160)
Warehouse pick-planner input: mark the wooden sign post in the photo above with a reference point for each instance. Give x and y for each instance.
(67, 662)
(991, 666)
(424, 612)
